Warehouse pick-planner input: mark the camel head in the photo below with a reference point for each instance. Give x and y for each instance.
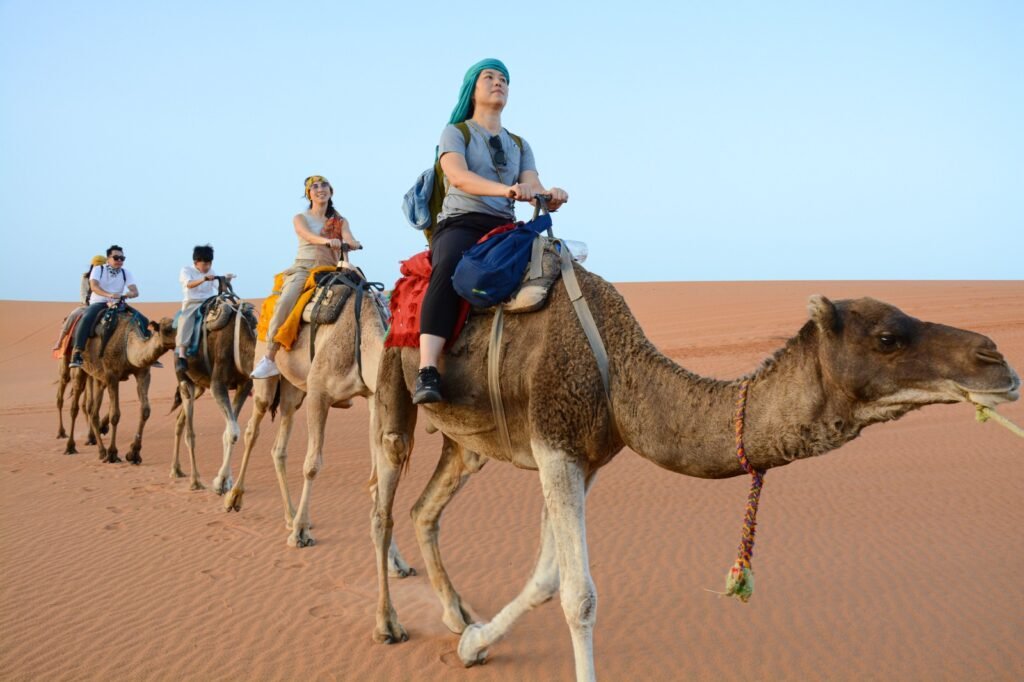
(888, 363)
(165, 330)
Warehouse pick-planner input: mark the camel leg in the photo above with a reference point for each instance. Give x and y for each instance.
(142, 390)
(391, 448)
(179, 430)
(291, 400)
(77, 388)
(189, 395)
(63, 377)
(563, 554)
(263, 396)
(541, 587)
(109, 454)
(316, 420)
(222, 481)
(453, 470)
(88, 396)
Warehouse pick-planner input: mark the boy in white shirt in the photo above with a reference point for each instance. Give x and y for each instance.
(198, 283)
(109, 284)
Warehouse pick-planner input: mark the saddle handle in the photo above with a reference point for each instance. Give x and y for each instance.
(540, 203)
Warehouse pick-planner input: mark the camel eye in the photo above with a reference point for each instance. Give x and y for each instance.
(888, 341)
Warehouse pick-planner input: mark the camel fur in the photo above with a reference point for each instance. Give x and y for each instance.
(332, 379)
(853, 364)
(220, 373)
(128, 353)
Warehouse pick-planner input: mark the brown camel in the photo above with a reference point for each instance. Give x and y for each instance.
(63, 380)
(855, 363)
(332, 379)
(131, 351)
(222, 365)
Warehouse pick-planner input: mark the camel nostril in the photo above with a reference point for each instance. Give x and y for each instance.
(990, 355)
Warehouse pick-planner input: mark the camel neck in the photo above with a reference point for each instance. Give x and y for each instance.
(685, 423)
(143, 352)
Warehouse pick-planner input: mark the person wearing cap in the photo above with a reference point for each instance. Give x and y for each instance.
(83, 297)
(108, 285)
(485, 178)
(321, 231)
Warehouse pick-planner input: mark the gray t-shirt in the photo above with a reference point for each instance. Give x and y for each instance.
(479, 160)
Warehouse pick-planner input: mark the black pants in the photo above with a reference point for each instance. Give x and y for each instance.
(451, 239)
(86, 324)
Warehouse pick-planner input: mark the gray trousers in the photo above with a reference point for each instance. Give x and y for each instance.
(294, 283)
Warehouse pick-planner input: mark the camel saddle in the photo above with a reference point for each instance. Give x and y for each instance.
(108, 320)
(333, 290)
(217, 311)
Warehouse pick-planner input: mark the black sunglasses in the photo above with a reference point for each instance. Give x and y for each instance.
(118, 257)
(499, 151)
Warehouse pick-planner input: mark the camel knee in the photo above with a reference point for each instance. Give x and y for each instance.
(580, 607)
(145, 413)
(380, 523)
(280, 460)
(312, 468)
(396, 448)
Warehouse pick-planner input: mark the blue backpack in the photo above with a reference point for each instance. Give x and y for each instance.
(490, 272)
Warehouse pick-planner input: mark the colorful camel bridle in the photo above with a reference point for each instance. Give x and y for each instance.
(740, 581)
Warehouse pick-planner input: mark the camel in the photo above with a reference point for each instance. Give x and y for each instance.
(331, 379)
(131, 351)
(853, 364)
(223, 365)
(63, 380)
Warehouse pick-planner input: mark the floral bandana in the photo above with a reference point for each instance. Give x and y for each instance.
(315, 178)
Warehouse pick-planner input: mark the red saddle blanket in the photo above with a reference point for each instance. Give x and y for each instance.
(407, 298)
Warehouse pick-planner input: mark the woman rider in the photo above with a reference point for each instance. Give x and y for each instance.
(485, 178)
(321, 230)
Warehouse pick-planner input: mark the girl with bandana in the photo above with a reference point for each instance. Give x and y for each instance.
(485, 177)
(321, 231)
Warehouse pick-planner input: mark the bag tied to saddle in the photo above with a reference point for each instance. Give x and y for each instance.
(492, 270)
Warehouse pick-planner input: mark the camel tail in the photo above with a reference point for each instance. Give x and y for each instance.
(177, 401)
(276, 402)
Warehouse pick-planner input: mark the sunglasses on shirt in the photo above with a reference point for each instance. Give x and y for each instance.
(118, 258)
(499, 151)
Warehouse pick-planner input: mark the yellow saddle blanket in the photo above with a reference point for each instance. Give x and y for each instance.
(289, 331)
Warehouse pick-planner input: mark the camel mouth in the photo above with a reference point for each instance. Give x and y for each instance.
(993, 397)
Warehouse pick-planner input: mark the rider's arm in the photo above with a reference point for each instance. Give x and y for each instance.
(302, 229)
(455, 169)
(531, 180)
(348, 237)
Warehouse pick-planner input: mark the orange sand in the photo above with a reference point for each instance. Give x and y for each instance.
(898, 558)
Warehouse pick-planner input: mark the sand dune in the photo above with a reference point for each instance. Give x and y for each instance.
(896, 558)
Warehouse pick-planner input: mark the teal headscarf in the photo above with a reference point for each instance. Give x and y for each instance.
(461, 111)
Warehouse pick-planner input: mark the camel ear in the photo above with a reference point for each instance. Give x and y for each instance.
(824, 313)
(153, 326)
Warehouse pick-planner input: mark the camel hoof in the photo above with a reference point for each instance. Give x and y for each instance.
(471, 651)
(134, 457)
(392, 634)
(222, 485)
(62, 434)
(110, 457)
(176, 472)
(196, 485)
(112, 452)
(401, 571)
(233, 500)
(90, 440)
(301, 538)
(71, 450)
(457, 621)
(104, 429)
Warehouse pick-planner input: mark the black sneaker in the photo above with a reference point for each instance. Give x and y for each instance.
(428, 387)
(76, 359)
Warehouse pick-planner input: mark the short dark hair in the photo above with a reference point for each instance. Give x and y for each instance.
(113, 248)
(203, 253)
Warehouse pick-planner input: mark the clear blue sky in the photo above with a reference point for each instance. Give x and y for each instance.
(698, 141)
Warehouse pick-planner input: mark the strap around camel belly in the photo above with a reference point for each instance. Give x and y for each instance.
(579, 304)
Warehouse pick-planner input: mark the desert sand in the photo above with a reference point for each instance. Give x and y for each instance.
(897, 557)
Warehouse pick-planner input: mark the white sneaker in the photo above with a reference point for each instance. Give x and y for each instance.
(266, 368)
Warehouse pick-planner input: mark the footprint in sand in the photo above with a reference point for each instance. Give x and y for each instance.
(323, 612)
(114, 510)
(213, 573)
(14, 471)
(116, 525)
(87, 489)
(286, 563)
